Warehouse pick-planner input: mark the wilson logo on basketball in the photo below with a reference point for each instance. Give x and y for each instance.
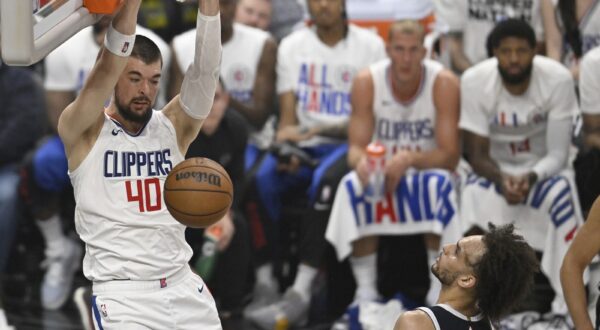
(211, 179)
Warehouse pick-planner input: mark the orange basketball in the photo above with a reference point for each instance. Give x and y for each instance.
(198, 192)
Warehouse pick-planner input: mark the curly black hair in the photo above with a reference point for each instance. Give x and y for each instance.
(511, 27)
(504, 272)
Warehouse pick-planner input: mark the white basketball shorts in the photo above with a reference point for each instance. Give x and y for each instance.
(179, 302)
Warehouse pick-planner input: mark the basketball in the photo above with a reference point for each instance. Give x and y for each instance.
(198, 192)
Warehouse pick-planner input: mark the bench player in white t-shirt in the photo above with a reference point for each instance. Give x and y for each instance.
(411, 106)
(118, 159)
(315, 68)
(516, 114)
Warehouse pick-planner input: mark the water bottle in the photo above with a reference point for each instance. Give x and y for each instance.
(375, 189)
(206, 263)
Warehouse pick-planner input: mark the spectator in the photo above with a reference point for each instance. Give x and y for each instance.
(67, 67)
(22, 113)
(572, 28)
(255, 13)
(223, 138)
(516, 115)
(315, 70)
(469, 23)
(410, 105)
(588, 159)
(584, 248)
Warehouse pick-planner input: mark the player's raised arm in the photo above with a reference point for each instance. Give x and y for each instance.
(83, 118)
(188, 110)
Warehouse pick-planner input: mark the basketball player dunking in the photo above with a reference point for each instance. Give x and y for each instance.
(119, 157)
(473, 291)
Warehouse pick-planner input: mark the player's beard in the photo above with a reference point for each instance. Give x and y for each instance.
(445, 277)
(127, 114)
(517, 78)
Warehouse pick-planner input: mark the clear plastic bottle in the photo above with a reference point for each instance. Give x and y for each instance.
(206, 263)
(375, 189)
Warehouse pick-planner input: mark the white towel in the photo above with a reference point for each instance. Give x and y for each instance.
(424, 202)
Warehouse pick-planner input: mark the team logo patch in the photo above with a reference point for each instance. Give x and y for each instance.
(344, 75)
(104, 310)
(239, 77)
(125, 48)
(163, 283)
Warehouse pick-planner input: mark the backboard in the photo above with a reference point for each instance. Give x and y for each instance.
(30, 29)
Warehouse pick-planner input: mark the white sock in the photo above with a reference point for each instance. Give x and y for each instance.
(365, 274)
(303, 281)
(264, 275)
(53, 235)
(434, 284)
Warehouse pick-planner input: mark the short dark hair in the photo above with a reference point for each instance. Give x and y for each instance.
(505, 272)
(510, 28)
(146, 50)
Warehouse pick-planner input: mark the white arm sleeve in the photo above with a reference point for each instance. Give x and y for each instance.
(558, 141)
(201, 78)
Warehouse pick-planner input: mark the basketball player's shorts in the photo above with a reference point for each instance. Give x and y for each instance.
(180, 302)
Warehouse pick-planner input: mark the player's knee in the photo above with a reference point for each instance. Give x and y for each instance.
(49, 167)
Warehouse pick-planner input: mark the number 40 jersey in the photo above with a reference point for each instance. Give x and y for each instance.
(120, 212)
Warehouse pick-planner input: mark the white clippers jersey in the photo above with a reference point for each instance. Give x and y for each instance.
(321, 76)
(516, 124)
(68, 66)
(476, 19)
(589, 82)
(410, 125)
(120, 213)
(589, 28)
(239, 65)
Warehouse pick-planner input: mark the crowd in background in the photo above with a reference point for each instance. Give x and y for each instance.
(479, 124)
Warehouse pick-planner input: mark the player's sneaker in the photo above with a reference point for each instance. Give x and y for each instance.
(58, 279)
(342, 323)
(82, 297)
(291, 310)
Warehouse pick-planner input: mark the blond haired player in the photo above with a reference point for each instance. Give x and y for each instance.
(119, 156)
